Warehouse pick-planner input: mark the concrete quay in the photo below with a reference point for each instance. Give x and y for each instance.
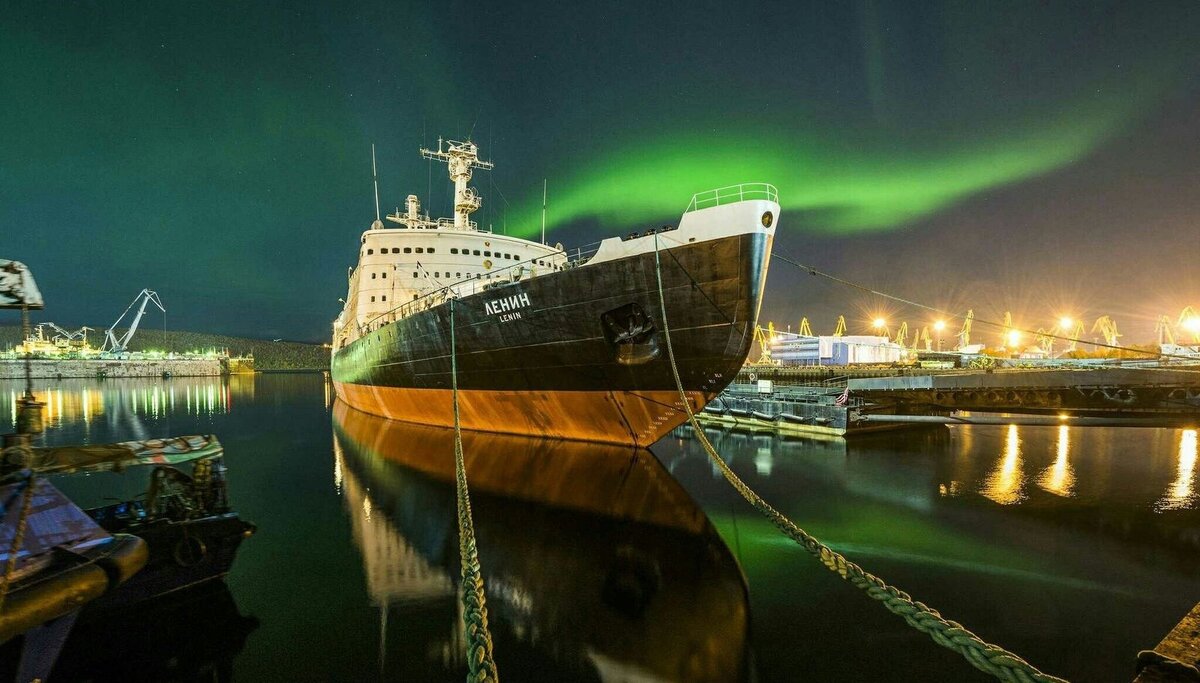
(112, 368)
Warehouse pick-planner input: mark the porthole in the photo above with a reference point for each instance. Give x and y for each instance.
(767, 219)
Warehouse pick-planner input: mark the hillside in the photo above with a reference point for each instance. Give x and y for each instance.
(268, 355)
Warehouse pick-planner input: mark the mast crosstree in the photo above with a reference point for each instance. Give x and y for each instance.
(462, 158)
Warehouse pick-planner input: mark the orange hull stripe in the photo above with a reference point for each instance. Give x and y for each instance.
(638, 418)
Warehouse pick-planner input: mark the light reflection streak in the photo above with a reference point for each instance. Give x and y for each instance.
(1059, 478)
(1180, 494)
(1004, 484)
(85, 401)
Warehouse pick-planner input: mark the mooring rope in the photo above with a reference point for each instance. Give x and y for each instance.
(10, 565)
(480, 666)
(984, 656)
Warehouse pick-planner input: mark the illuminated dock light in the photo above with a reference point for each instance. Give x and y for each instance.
(1014, 338)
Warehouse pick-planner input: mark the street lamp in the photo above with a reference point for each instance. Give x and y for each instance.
(880, 325)
(1014, 338)
(1065, 323)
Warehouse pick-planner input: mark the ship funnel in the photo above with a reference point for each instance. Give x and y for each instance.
(413, 207)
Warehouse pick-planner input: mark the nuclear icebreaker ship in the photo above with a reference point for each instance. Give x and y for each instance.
(551, 343)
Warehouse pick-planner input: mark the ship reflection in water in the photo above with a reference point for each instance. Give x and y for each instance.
(597, 564)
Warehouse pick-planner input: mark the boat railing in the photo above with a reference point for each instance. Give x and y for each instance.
(509, 274)
(732, 194)
(581, 255)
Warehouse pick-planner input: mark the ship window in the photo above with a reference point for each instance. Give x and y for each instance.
(436, 274)
(414, 297)
(453, 250)
(430, 250)
(487, 253)
(420, 250)
(476, 252)
(408, 250)
(415, 275)
(384, 276)
(372, 299)
(370, 251)
(395, 250)
(372, 276)
(385, 297)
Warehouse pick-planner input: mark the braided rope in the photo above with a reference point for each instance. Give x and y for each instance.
(480, 667)
(10, 566)
(991, 659)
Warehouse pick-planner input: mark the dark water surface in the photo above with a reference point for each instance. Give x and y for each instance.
(1073, 547)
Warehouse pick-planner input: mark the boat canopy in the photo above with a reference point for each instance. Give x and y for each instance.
(117, 456)
(17, 288)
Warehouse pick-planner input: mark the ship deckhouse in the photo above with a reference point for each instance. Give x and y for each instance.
(418, 262)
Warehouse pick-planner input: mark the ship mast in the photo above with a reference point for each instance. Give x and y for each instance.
(461, 158)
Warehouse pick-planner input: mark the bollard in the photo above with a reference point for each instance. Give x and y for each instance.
(1176, 657)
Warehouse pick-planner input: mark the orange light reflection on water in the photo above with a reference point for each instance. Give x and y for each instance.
(1004, 484)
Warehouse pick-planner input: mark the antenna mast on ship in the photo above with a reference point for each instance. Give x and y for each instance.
(378, 224)
(461, 158)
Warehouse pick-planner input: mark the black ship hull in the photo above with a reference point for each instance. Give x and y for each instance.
(575, 354)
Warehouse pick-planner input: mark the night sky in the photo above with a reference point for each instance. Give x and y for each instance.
(1040, 157)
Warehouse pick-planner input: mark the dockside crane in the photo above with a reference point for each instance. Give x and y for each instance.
(1045, 340)
(964, 335)
(902, 335)
(926, 339)
(764, 338)
(79, 335)
(805, 328)
(1074, 330)
(1107, 327)
(840, 331)
(115, 345)
(1189, 321)
(1165, 330)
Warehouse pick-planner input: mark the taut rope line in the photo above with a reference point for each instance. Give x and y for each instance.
(480, 666)
(984, 656)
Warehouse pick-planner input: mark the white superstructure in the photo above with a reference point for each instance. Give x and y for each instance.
(419, 261)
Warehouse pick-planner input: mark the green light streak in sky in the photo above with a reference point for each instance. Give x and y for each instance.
(848, 186)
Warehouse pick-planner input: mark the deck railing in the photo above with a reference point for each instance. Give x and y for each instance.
(732, 194)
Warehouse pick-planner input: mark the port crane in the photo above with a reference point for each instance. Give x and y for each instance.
(1074, 330)
(1107, 327)
(1189, 321)
(964, 335)
(79, 335)
(841, 327)
(805, 328)
(902, 335)
(764, 338)
(114, 344)
(1165, 330)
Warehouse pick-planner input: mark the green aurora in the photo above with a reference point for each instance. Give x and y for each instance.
(860, 184)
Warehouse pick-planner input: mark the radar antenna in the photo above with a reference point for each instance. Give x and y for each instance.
(461, 159)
